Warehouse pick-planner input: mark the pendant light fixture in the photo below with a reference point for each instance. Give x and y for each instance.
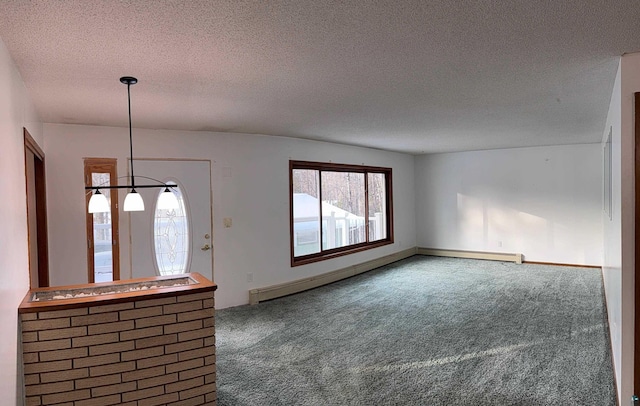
(133, 201)
(98, 203)
(167, 200)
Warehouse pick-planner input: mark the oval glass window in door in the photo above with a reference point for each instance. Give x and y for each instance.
(171, 233)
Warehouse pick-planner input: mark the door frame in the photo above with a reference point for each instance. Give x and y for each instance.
(636, 352)
(42, 243)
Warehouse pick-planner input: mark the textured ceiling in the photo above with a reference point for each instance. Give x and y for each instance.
(411, 76)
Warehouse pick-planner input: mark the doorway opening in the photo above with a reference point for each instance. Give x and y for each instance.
(36, 212)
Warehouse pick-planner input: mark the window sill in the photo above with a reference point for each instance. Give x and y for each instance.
(337, 252)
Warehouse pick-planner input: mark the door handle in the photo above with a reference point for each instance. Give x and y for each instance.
(206, 247)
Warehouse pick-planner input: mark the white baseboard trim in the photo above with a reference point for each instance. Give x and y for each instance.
(493, 256)
(271, 292)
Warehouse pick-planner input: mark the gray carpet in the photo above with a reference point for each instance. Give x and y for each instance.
(424, 331)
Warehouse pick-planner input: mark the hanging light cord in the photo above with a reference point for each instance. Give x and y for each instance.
(133, 181)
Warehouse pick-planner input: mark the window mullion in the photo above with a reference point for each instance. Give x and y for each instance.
(366, 205)
(320, 208)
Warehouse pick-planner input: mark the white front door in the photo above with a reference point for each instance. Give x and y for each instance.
(149, 254)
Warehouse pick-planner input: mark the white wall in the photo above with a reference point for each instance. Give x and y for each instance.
(543, 202)
(612, 245)
(619, 267)
(254, 192)
(16, 112)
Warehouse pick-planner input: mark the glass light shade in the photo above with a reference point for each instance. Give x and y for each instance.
(99, 203)
(133, 201)
(167, 200)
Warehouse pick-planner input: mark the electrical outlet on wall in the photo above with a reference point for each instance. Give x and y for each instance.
(227, 222)
(249, 276)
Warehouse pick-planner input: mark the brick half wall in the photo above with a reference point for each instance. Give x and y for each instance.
(137, 353)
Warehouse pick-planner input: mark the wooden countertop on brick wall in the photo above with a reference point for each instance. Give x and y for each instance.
(28, 306)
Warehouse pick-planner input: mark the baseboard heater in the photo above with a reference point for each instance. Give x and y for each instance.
(300, 285)
(493, 256)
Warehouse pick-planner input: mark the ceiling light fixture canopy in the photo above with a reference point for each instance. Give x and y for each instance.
(133, 201)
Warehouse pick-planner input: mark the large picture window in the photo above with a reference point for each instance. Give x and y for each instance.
(338, 209)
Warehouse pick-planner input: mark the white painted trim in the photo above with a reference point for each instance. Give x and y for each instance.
(493, 256)
(300, 285)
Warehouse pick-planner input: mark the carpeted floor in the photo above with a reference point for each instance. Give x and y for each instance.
(424, 331)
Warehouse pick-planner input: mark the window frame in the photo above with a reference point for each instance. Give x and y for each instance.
(182, 201)
(102, 165)
(325, 254)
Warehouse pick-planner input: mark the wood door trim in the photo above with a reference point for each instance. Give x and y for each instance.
(636, 369)
(30, 143)
(41, 207)
(110, 166)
